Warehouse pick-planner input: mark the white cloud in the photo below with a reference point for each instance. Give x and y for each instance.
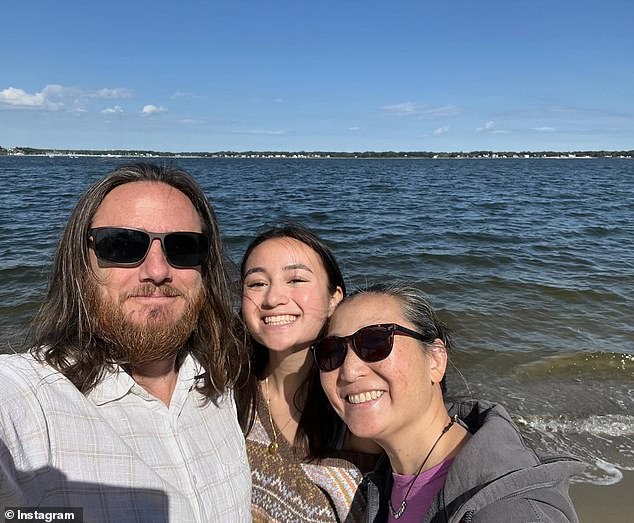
(113, 110)
(422, 110)
(112, 94)
(403, 109)
(443, 110)
(153, 109)
(56, 90)
(441, 130)
(43, 99)
(181, 94)
(544, 129)
(486, 127)
(56, 97)
(259, 131)
(13, 96)
(562, 109)
(354, 128)
(490, 128)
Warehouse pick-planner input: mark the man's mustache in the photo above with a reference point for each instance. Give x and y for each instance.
(149, 290)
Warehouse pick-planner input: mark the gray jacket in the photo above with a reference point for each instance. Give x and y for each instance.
(495, 478)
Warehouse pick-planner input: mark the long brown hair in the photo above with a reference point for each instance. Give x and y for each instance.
(62, 332)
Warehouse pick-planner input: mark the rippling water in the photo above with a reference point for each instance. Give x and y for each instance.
(529, 261)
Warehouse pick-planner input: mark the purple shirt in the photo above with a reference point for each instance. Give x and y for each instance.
(421, 495)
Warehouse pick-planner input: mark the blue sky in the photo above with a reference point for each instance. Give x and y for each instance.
(332, 76)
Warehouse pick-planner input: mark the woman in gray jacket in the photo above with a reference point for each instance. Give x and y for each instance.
(463, 462)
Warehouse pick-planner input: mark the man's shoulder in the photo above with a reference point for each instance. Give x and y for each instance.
(29, 391)
(22, 373)
(25, 364)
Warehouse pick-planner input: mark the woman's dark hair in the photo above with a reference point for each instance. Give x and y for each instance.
(63, 333)
(416, 309)
(317, 428)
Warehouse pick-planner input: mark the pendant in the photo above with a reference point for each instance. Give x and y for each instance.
(273, 446)
(398, 513)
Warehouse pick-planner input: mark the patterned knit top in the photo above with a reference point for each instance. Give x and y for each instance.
(287, 489)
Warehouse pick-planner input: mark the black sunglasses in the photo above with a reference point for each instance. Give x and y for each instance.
(372, 343)
(129, 247)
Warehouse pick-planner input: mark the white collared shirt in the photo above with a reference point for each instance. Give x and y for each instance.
(119, 453)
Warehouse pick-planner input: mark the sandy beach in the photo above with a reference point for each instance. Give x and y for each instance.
(602, 504)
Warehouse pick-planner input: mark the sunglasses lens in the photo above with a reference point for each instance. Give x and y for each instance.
(373, 343)
(330, 353)
(186, 249)
(118, 245)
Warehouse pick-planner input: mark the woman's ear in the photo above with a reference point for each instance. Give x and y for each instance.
(336, 297)
(437, 353)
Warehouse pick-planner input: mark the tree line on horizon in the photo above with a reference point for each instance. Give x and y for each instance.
(316, 154)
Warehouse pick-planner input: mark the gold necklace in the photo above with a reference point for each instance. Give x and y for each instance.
(401, 509)
(273, 446)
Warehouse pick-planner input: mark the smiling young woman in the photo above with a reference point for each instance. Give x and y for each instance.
(305, 464)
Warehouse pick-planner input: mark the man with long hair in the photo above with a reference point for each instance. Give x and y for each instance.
(122, 405)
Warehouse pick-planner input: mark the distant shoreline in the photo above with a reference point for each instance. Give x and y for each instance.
(410, 155)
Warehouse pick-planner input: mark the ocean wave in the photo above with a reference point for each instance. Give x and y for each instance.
(603, 473)
(616, 425)
(612, 364)
(604, 442)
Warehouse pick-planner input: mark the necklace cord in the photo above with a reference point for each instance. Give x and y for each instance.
(396, 514)
(273, 446)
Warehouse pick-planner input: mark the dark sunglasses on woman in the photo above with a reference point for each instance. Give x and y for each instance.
(372, 343)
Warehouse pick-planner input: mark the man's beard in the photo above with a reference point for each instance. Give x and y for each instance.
(133, 344)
